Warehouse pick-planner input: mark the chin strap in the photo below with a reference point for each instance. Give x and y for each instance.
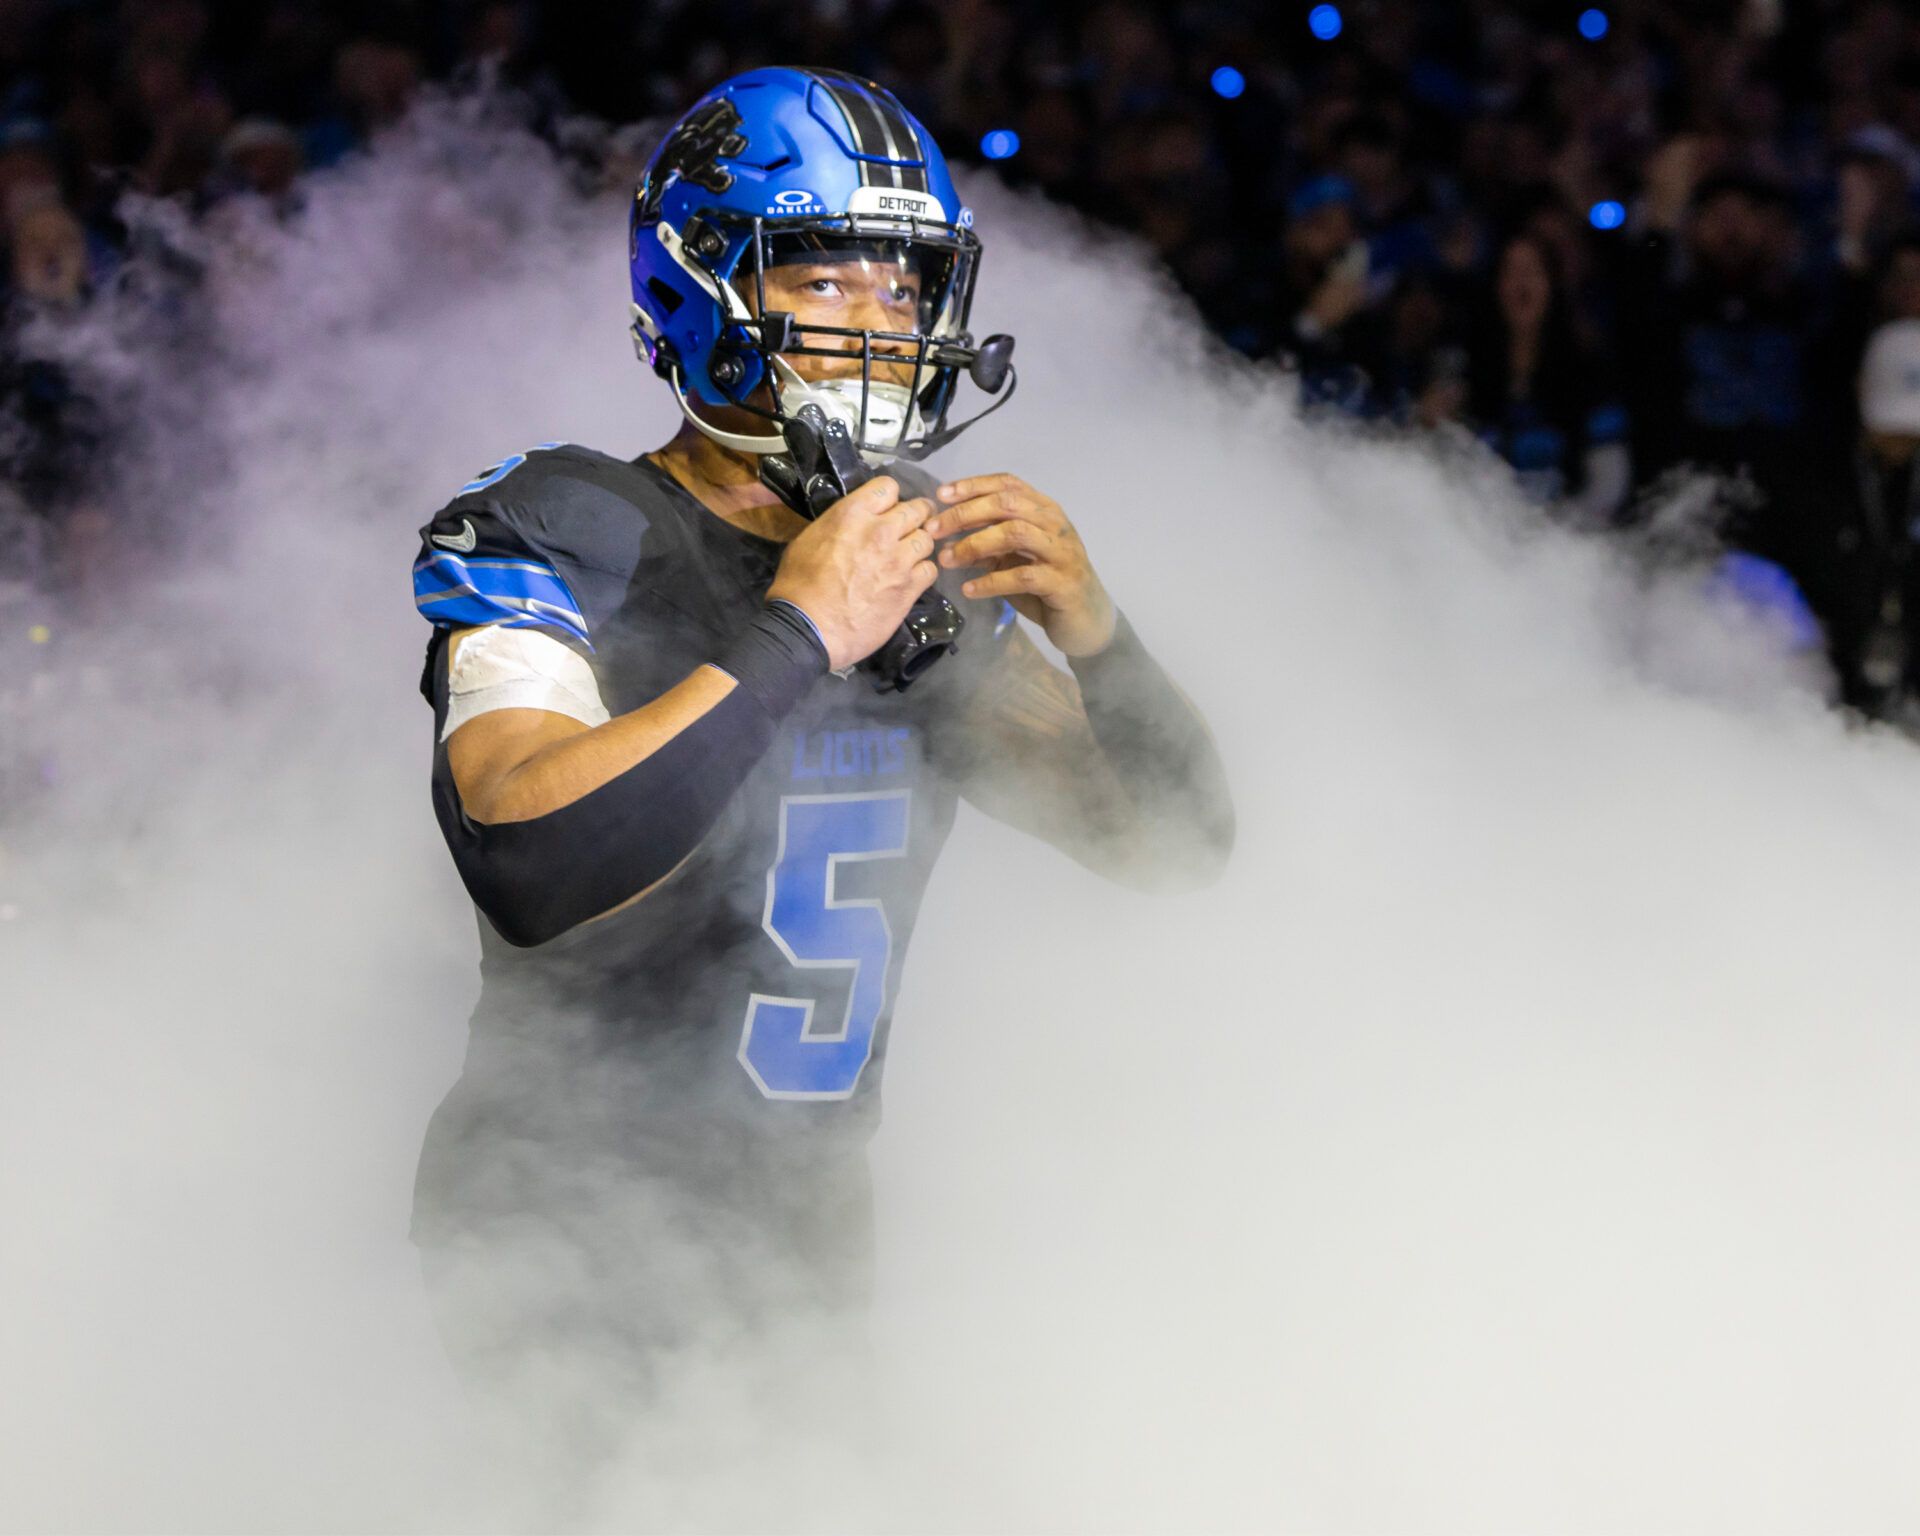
(919, 448)
(914, 449)
(743, 442)
(740, 442)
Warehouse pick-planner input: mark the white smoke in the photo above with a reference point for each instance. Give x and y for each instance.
(1520, 1136)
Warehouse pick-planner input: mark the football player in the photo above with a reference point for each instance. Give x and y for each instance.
(695, 773)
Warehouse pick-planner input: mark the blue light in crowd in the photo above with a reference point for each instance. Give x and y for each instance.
(1324, 22)
(1607, 215)
(1000, 144)
(1593, 25)
(1228, 82)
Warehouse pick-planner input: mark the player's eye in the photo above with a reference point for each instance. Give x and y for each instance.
(824, 287)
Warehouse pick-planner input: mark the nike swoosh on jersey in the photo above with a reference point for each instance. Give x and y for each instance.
(463, 541)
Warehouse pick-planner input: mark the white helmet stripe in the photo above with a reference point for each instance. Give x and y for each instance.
(864, 124)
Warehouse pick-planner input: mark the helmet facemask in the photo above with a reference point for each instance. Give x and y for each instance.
(884, 402)
(893, 387)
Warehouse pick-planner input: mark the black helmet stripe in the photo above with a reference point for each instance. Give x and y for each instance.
(819, 78)
(870, 131)
(862, 123)
(887, 138)
(905, 139)
(914, 176)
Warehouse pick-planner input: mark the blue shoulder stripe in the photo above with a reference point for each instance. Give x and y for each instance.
(457, 593)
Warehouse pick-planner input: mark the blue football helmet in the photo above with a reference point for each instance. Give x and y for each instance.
(779, 165)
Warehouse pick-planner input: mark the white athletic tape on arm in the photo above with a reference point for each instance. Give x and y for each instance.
(501, 668)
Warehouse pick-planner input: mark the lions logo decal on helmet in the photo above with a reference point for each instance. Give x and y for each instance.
(692, 152)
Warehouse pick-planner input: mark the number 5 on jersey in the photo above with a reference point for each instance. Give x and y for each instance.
(788, 1054)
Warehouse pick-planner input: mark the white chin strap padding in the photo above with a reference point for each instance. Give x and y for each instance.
(889, 407)
(892, 417)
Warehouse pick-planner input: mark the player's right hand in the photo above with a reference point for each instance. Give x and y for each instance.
(856, 569)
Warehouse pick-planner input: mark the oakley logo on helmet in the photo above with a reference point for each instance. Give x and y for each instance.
(692, 153)
(794, 198)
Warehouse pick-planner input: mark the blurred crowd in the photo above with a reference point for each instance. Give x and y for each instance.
(1617, 243)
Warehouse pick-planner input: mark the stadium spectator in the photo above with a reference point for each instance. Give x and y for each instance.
(1535, 391)
(374, 81)
(263, 157)
(1391, 204)
(1419, 370)
(1848, 529)
(47, 249)
(1720, 335)
(1721, 195)
(1322, 305)
(27, 162)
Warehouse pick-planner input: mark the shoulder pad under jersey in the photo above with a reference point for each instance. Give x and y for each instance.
(545, 539)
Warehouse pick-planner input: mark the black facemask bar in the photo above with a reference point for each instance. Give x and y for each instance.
(948, 256)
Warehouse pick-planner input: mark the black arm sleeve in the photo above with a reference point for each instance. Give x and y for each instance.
(536, 879)
(1159, 748)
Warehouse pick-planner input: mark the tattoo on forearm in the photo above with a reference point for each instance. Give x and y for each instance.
(1042, 699)
(1032, 759)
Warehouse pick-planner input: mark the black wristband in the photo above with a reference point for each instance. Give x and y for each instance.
(777, 658)
(1156, 742)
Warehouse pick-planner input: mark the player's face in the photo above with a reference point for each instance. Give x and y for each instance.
(865, 291)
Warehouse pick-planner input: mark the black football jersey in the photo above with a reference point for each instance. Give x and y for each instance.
(753, 989)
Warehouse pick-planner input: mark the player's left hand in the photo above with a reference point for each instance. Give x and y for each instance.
(1033, 555)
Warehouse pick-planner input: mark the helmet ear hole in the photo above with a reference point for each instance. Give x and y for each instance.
(665, 295)
(703, 239)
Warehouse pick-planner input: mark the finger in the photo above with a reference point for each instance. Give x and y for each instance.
(918, 544)
(1015, 536)
(977, 485)
(925, 574)
(875, 497)
(1015, 581)
(989, 507)
(912, 514)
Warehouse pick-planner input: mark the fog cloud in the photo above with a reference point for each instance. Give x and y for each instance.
(1520, 1136)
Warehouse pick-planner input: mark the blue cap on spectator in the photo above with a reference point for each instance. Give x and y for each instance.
(25, 132)
(1312, 196)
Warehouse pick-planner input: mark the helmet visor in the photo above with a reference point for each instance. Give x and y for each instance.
(865, 317)
(855, 282)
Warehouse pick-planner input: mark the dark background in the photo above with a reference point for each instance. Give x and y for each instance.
(1612, 243)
